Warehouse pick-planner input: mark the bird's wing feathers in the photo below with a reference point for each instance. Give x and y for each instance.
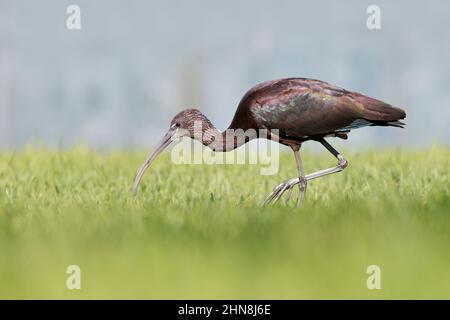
(301, 108)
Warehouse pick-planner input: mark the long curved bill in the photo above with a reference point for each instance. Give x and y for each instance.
(166, 140)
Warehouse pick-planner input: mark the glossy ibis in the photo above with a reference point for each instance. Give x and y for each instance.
(299, 109)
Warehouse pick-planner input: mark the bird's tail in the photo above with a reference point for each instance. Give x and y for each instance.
(396, 123)
(380, 113)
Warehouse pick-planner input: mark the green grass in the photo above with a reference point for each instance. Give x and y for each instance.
(198, 231)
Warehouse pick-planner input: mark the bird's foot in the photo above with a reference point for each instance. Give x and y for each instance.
(287, 185)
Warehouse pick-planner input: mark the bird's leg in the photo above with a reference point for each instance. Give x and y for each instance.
(303, 183)
(342, 164)
(281, 188)
(289, 184)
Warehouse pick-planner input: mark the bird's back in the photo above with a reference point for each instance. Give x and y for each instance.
(302, 109)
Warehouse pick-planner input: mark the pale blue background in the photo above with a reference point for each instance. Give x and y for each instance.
(119, 80)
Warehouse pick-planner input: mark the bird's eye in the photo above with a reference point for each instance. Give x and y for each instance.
(177, 125)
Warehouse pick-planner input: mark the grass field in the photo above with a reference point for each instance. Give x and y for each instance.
(198, 231)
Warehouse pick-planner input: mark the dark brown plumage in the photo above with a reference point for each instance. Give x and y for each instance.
(304, 109)
(298, 110)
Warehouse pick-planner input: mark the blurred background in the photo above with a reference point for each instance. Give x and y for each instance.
(119, 80)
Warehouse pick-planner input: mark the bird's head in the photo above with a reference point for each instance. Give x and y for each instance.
(188, 123)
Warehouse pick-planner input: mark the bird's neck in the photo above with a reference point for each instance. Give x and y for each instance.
(225, 141)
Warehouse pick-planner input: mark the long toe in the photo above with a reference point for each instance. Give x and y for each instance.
(279, 190)
(302, 184)
(274, 193)
(289, 195)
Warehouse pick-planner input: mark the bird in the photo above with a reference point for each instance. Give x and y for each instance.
(292, 111)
